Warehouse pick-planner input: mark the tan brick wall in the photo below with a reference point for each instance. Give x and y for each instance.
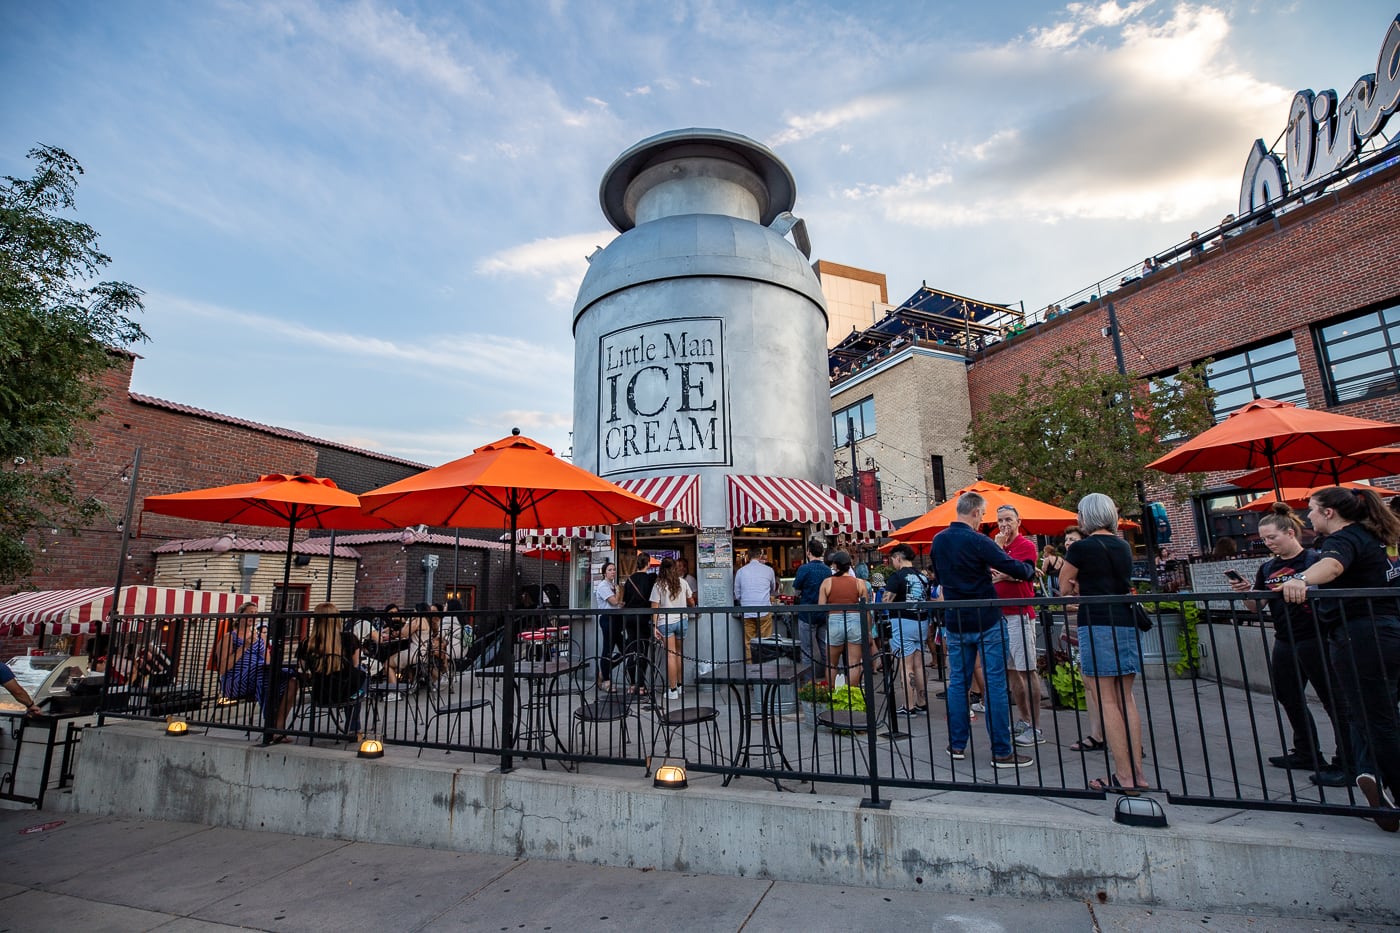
(921, 409)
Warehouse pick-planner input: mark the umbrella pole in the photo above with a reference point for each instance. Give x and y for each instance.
(508, 662)
(330, 567)
(1273, 468)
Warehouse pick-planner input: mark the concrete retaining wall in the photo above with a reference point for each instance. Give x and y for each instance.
(134, 771)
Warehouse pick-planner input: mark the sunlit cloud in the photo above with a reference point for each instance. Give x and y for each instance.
(801, 126)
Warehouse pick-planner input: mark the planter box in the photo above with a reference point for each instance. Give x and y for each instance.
(1237, 655)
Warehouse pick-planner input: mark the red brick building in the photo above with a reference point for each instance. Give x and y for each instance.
(1304, 306)
(187, 448)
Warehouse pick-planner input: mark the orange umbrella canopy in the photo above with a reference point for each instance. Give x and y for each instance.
(1298, 496)
(1365, 464)
(1037, 517)
(1265, 433)
(276, 500)
(516, 478)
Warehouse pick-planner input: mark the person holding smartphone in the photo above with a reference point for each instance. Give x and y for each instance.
(1299, 656)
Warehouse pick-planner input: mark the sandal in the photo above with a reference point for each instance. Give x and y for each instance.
(1110, 785)
(1087, 744)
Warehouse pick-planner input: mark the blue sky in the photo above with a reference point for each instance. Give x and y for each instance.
(368, 220)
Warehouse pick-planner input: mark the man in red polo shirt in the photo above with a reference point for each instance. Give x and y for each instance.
(1021, 674)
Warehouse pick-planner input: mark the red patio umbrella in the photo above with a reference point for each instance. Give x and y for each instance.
(1365, 464)
(1266, 433)
(1037, 517)
(276, 500)
(1298, 496)
(515, 479)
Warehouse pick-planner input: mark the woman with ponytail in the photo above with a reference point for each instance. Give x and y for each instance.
(1363, 631)
(1299, 655)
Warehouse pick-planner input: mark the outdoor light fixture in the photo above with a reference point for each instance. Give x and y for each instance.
(370, 748)
(670, 775)
(1139, 811)
(177, 727)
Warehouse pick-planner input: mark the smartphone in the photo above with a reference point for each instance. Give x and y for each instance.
(1234, 575)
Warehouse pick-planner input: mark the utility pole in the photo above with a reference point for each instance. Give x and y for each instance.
(851, 440)
(1149, 527)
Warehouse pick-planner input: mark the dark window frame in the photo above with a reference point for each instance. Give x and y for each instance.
(838, 421)
(1297, 396)
(1389, 350)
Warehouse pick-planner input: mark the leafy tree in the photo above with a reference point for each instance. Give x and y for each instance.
(1078, 426)
(59, 330)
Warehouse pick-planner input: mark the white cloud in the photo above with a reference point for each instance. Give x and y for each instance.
(801, 126)
(478, 355)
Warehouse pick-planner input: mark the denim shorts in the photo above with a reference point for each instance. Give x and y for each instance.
(1109, 650)
(843, 628)
(907, 636)
(678, 627)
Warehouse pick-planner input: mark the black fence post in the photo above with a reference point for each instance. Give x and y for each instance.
(867, 663)
(507, 661)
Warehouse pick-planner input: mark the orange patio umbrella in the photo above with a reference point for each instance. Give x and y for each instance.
(1365, 464)
(276, 500)
(1298, 496)
(517, 480)
(1040, 518)
(1266, 433)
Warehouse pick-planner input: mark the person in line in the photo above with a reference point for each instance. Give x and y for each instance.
(671, 592)
(241, 662)
(1092, 739)
(963, 558)
(330, 657)
(683, 568)
(1299, 656)
(811, 626)
(11, 683)
(1109, 655)
(844, 588)
(755, 584)
(1022, 633)
(1363, 633)
(636, 630)
(909, 627)
(606, 596)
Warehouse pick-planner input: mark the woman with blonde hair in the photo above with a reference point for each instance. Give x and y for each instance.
(331, 659)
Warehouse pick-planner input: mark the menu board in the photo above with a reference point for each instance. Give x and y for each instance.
(715, 587)
(1210, 578)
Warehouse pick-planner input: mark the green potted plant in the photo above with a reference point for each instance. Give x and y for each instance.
(1069, 685)
(1178, 621)
(813, 696)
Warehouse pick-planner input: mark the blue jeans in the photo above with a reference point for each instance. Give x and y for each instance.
(963, 648)
(811, 632)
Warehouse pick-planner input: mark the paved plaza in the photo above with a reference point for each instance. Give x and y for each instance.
(102, 874)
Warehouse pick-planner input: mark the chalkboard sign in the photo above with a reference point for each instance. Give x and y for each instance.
(1210, 578)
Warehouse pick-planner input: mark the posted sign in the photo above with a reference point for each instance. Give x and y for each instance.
(661, 396)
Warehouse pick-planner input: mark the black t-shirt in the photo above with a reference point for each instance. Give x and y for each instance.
(636, 590)
(1364, 566)
(907, 585)
(1292, 621)
(1105, 565)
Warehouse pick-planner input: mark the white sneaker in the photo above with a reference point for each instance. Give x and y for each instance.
(674, 693)
(1029, 736)
(979, 707)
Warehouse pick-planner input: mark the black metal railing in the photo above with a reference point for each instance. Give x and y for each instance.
(594, 688)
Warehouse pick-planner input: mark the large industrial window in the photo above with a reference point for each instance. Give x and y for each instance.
(1359, 354)
(1268, 371)
(862, 417)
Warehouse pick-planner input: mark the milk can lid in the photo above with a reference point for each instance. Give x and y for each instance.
(782, 190)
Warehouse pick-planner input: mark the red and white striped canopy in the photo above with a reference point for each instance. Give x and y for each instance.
(861, 521)
(678, 496)
(74, 612)
(755, 499)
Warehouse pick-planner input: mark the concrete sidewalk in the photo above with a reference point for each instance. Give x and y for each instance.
(66, 871)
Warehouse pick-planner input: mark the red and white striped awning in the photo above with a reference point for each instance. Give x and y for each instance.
(754, 499)
(74, 612)
(678, 496)
(861, 521)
